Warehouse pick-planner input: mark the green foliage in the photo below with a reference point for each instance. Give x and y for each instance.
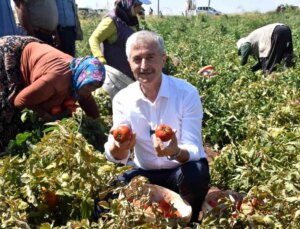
(63, 163)
(33, 131)
(251, 119)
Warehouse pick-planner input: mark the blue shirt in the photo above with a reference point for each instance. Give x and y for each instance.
(7, 19)
(66, 12)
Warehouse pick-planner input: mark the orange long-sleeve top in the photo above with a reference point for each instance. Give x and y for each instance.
(48, 77)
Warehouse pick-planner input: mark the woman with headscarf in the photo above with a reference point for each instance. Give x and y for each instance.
(270, 45)
(37, 76)
(113, 31)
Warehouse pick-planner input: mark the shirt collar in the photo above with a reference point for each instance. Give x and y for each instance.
(164, 90)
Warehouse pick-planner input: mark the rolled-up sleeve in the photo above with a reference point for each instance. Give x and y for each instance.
(108, 155)
(119, 118)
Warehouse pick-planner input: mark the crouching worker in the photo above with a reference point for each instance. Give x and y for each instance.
(37, 76)
(156, 98)
(270, 45)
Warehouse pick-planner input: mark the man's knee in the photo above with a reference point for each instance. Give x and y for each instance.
(195, 178)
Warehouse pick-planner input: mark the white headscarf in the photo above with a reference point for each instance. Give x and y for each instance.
(240, 42)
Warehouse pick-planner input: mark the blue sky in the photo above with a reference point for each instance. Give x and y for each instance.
(178, 6)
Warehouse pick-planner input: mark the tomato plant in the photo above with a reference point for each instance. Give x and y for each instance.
(122, 133)
(164, 132)
(251, 118)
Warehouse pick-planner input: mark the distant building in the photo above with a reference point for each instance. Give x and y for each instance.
(190, 7)
(90, 12)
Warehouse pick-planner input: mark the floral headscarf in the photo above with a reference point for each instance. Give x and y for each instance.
(86, 70)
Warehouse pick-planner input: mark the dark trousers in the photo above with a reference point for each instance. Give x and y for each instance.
(67, 38)
(281, 48)
(191, 181)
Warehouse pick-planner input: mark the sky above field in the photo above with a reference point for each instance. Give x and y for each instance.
(176, 7)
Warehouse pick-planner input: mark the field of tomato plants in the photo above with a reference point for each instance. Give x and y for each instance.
(56, 171)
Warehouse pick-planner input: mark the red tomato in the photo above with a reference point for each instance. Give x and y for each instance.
(164, 205)
(50, 198)
(130, 199)
(239, 206)
(68, 102)
(122, 133)
(213, 203)
(164, 132)
(254, 202)
(177, 214)
(55, 110)
(165, 208)
(234, 214)
(72, 108)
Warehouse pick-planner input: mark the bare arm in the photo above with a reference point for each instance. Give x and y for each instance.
(33, 95)
(89, 105)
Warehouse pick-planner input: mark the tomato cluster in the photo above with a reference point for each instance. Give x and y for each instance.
(164, 208)
(68, 104)
(167, 210)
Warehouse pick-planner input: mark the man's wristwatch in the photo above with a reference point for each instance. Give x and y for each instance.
(174, 156)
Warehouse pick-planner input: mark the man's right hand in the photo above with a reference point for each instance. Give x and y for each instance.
(121, 150)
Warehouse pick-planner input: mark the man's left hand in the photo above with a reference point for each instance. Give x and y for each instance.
(165, 149)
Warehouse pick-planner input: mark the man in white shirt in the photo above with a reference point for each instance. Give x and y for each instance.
(156, 98)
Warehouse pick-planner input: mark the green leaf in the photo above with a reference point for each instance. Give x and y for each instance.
(21, 138)
(86, 207)
(269, 221)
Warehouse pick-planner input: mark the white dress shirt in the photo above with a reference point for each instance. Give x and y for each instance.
(178, 105)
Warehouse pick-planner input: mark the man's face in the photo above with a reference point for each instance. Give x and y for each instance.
(146, 62)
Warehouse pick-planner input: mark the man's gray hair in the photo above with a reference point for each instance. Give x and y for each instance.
(145, 36)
